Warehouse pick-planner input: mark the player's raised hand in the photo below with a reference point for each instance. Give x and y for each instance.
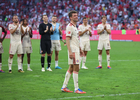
(105, 27)
(51, 29)
(47, 28)
(18, 24)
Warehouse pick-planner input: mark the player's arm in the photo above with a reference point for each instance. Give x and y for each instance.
(108, 29)
(90, 31)
(21, 28)
(13, 30)
(99, 31)
(41, 30)
(80, 32)
(23, 34)
(5, 33)
(30, 32)
(51, 30)
(60, 31)
(68, 38)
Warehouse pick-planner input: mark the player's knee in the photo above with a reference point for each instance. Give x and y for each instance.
(48, 54)
(11, 56)
(43, 55)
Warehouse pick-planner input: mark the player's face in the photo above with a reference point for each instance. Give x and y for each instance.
(85, 21)
(15, 19)
(45, 18)
(54, 19)
(25, 22)
(74, 17)
(103, 20)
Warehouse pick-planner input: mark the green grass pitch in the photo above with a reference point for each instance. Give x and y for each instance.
(122, 82)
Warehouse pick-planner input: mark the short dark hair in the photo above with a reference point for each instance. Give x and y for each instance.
(84, 18)
(71, 12)
(44, 15)
(24, 20)
(54, 16)
(103, 17)
(13, 16)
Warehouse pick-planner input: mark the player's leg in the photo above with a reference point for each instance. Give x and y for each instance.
(19, 54)
(108, 59)
(100, 48)
(42, 52)
(22, 57)
(81, 56)
(12, 51)
(75, 79)
(1, 64)
(48, 49)
(66, 80)
(84, 60)
(1, 51)
(107, 48)
(57, 49)
(28, 60)
(10, 61)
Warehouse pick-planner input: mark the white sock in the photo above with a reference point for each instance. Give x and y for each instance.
(19, 63)
(28, 65)
(0, 65)
(67, 77)
(56, 63)
(84, 61)
(108, 60)
(75, 79)
(100, 60)
(10, 61)
(22, 66)
(81, 58)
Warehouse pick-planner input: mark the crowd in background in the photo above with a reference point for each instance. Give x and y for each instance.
(121, 14)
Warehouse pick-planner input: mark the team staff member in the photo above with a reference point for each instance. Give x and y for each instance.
(45, 30)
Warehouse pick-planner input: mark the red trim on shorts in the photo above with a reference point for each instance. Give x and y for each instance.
(9, 48)
(69, 71)
(75, 72)
(74, 62)
(68, 36)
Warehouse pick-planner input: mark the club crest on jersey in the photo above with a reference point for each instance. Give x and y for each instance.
(77, 60)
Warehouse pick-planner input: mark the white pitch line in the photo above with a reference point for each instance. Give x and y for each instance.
(88, 61)
(94, 96)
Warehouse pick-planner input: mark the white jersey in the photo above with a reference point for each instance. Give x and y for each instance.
(104, 35)
(16, 36)
(26, 41)
(72, 31)
(85, 36)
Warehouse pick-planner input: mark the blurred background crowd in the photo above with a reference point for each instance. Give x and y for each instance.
(121, 14)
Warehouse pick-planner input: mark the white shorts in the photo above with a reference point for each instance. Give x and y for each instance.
(1, 48)
(104, 44)
(15, 48)
(76, 58)
(55, 45)
(27, 50)
(85, 45)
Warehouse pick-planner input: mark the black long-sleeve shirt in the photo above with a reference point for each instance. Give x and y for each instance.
(45, 36)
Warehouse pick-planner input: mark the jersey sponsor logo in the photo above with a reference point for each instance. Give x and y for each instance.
(77, 60)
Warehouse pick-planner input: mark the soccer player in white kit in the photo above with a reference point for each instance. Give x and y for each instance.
(26, 43)
(74, 51)
(2, 29)
(84, 33)
(103, 30)
(15, 43)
